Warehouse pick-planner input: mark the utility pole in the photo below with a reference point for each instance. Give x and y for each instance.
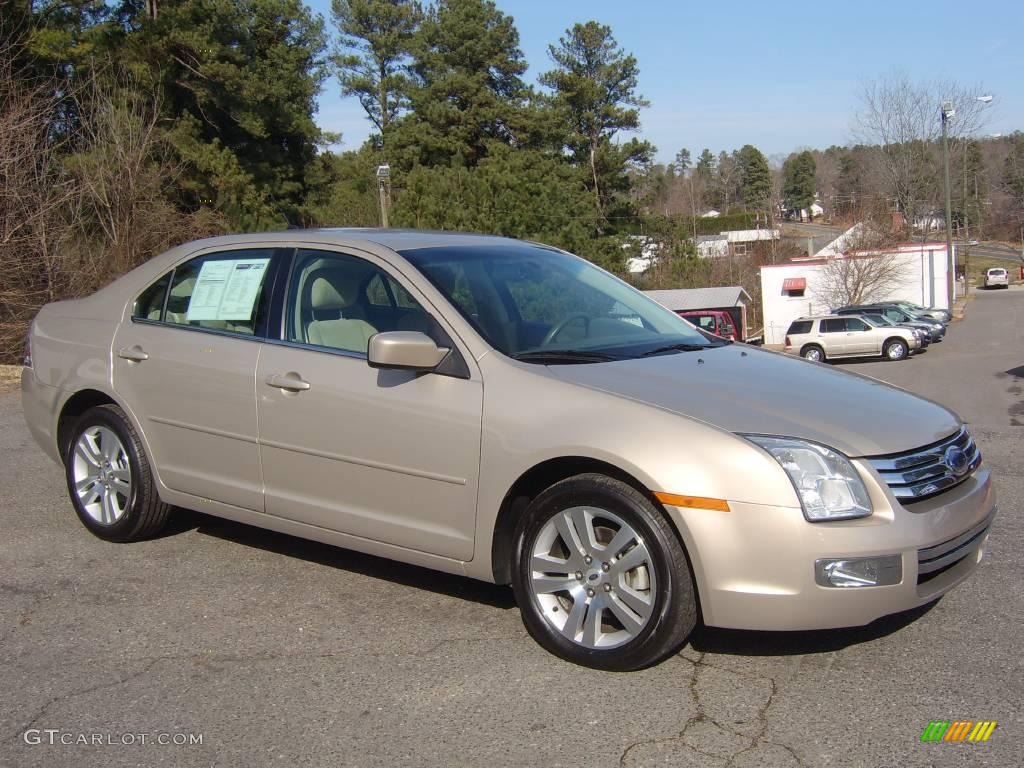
(384, 190)
(947, 113)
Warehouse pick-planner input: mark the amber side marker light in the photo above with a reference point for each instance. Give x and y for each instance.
(692, 502)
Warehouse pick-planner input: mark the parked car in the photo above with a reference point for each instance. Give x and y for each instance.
(935, 328)
(714, 321)
(508, 412)
(830, 336)
(881, 321)
(997, 277)
(932, 313)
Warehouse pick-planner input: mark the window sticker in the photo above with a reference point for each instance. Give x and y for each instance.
(226, 290)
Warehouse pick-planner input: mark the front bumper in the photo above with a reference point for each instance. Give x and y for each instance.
(755, 565)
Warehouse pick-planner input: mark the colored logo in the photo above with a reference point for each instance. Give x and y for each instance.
(958, 730)
(956, 460)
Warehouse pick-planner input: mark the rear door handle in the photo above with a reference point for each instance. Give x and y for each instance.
(290, 381)
(134, 354)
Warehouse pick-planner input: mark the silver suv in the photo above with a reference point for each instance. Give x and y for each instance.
(997, 277)
(828, 337)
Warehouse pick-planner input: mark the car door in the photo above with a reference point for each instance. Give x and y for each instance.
(391, 456)
(185, 363)
(861, 338)
(833, 336)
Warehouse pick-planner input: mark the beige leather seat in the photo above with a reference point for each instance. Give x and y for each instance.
(334, 291)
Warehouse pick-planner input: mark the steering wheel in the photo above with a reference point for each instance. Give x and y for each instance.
(558, 327)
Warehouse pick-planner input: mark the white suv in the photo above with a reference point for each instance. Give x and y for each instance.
(996, 277)
(834, 336)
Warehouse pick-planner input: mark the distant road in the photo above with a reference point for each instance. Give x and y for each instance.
(993, 251)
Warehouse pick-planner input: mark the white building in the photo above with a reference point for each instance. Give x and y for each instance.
(793, 289)
(735, 242)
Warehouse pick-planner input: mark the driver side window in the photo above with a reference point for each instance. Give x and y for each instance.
(338, 302)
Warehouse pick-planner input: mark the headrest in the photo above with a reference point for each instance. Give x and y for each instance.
(333, 289)
(183, 290)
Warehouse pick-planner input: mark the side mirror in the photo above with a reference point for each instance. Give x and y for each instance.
(404, 350)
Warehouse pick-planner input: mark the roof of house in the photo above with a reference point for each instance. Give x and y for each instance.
(751, 235)
(679, 299)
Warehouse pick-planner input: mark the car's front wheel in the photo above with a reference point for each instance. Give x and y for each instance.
(109, 478)
(896, 349)
(601, 578)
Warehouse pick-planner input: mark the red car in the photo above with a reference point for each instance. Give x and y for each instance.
(714, 321)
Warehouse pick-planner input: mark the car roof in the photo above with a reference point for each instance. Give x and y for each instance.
(395, 239)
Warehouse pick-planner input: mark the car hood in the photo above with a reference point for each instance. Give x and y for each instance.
(742, 389)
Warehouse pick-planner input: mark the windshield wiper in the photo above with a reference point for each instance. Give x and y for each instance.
(679, 348)
(562, 356)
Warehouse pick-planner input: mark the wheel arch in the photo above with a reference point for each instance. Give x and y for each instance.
(72, 409)
(813, 345)
(541, 476)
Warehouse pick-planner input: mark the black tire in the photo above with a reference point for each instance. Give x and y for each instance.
(896, 349)
(673, 613)
(145, 514)
(813, 352)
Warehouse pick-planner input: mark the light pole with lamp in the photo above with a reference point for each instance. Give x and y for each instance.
(384, 190)
(948, 112)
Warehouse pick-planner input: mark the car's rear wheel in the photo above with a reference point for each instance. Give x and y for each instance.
(601, 578)
(896, 349)
(109, 478)
(813, 352)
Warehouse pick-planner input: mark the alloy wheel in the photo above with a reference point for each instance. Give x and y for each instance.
(592, 577)
(102, 474)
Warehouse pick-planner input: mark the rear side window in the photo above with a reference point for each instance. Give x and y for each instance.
(150, 304)
(800, 326)
(833, 325)
(219, 291)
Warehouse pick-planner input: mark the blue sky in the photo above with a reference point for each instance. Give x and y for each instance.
(780, 76)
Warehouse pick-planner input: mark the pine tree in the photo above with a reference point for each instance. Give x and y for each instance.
(238, 80)
(706, 166)
(373, 49)
(798, 181)
(467, 93)
(594, 85)
(755, 178)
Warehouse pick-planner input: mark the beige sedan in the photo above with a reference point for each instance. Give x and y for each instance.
(508, 412)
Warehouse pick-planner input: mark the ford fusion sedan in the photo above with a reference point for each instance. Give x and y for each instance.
(508, 412)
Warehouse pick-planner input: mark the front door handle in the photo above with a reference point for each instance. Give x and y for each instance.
(134, 354)
(290, 381)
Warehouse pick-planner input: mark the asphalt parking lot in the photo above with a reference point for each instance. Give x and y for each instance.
(276, 651)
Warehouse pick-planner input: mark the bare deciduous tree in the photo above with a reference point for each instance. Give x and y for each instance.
(73, 218)
(864, 273)
(903, 118)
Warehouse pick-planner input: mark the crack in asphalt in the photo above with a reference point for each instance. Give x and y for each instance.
(151, 662)
(700, 716)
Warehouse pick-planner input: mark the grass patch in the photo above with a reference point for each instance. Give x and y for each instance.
(10, 377)
(977, 266)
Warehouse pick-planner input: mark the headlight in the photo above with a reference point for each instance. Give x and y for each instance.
(826, 482)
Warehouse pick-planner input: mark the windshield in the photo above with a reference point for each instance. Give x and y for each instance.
(541, 305)
(878, 320)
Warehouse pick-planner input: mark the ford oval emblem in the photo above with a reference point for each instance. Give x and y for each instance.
(956, 460)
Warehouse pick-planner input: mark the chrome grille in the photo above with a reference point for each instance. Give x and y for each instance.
(918, 474)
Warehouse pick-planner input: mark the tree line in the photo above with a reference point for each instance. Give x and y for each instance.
(128, 126)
